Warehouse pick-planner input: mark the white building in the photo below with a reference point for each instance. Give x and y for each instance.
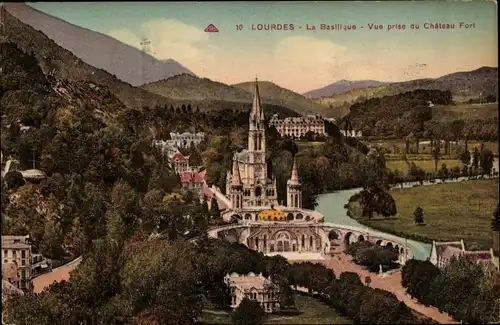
(296, 127)
(184, 140)
(253, 287)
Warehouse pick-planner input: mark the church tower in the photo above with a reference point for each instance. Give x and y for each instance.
(257, 140)
(293, 189)
(236, 186)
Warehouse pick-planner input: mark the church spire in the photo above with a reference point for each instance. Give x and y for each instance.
(257, 111)
(294, 178)
(235, 175)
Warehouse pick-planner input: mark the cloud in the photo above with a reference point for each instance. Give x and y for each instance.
(171, 39)
(296, 62)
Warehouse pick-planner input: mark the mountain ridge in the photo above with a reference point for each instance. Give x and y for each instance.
(61, 63)
(128, 63)
(188, 87)
(342, 86)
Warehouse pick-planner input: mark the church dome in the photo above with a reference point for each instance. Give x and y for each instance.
(271, 215)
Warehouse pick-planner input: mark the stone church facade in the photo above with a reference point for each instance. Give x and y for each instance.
(252, 193)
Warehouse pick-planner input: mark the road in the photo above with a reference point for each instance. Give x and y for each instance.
(56, 275)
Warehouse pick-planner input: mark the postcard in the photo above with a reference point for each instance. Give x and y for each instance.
(249, 162)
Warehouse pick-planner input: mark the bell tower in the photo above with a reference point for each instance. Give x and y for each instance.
(294, 188)
(257, 140)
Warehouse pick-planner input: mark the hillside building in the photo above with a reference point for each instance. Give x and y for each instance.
(253, 287)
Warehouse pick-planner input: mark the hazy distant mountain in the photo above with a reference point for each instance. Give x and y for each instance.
(101, 51)
(464, 85)
(60, 63)
(342, 86)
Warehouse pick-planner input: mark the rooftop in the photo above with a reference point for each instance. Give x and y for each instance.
(249, 281)
(15, 242)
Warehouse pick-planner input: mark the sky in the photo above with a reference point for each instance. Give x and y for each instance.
(301, 59)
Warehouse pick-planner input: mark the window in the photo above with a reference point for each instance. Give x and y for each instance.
(5, 252)
(23, 254)
(14, 254)
(23, 262)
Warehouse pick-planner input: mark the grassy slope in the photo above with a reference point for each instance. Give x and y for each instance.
(451, 212)
(274, 94)
(313, 312)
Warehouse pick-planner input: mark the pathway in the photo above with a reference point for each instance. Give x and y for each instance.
(391, 282)
(56, 275)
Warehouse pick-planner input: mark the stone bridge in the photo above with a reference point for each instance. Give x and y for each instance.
(325, 233)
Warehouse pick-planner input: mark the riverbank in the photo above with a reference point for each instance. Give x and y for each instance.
(452, 211)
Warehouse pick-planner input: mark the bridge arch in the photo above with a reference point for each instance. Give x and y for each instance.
(361, 238)
(334, 234)
(299, 216)
(379, 242)
(389, 245)
(248, 216)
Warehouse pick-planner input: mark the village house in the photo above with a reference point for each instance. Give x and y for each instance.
(253, 287)
(193, 181)
(443, 252)
(19, 263)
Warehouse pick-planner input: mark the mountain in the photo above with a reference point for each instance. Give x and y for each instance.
(465, 86)
(342, 86)
(187, 87)
(62, 64)
(274, 94)
(126, 62)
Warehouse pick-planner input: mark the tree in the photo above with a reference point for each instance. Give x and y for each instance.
(194, 156)
(14, 179)
(214, 208)
(495, 220)
(465, 157)
(475, 158)
(249, 312)
(436, 153)
(418, 215)
(416, 277)
(486, 161)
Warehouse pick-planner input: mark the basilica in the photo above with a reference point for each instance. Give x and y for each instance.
(251, 199)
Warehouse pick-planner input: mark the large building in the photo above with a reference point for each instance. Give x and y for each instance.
(253, 287)
(16, 260)
(443, 252)
(298, 127)
(251, 199)
(184, 140)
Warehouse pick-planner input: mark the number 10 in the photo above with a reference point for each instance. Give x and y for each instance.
(239, 27)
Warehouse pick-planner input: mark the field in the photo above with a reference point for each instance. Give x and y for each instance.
(464, 111)
(313, 312)
(452, 211)
(427, 165)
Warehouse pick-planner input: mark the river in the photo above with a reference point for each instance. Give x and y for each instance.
(331, 206)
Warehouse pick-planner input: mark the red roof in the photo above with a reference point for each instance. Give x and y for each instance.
(178, 155)
(475, 256)
(191, 177)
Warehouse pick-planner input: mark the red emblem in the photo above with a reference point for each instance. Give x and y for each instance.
(211, 29)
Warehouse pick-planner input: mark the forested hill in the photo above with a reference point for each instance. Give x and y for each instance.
(414, 112)
(62, 64)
